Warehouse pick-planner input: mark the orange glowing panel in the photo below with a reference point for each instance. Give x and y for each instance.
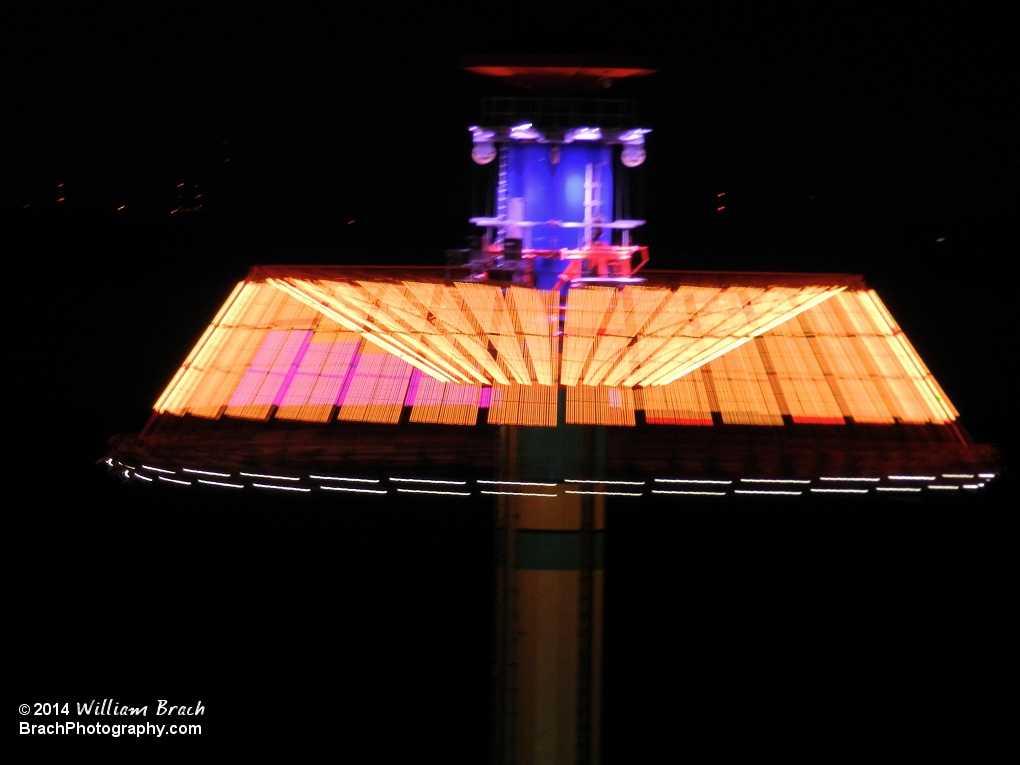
(608, 350)
(377, 388)
(586, 310)
(215, 368)
(599, 405)
(174, 398)
(576, 351)
(720, 319)
(543, 356)
(511, 358)
(681, 402)
(523, 405)
(805, 391)
(633, 308)
(445, 403)
(743, 389)
(488, 306)
(875, 371)
(301, 347)
(535, 312)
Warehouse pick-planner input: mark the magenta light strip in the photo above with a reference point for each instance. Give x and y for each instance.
(292, 369)
(265, 375)
(321, 373)
(345, 386)
(483, 401)
(412, 387)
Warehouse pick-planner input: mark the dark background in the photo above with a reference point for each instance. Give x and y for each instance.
(855, 144)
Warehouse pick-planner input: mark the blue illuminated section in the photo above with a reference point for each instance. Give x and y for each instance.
(554, 190)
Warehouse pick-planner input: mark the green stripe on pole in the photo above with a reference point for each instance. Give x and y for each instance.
(555, 550)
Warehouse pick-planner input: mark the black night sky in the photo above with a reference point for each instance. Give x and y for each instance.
(856, 144)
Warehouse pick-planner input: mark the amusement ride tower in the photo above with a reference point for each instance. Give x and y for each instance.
(546, 366)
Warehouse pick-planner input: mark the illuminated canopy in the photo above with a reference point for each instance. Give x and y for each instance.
(324, 344)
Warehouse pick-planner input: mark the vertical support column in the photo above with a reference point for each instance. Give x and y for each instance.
(549, 581)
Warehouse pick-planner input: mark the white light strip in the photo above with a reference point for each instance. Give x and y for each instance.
(221, 483)
(338, 478)
(840, 491)
(957, 475)
(515, 483)
(353, 489)
(693, 480)
(774, 480)
(143, 477)
(158, 470)
(608, 483)
(696, 493)
(942, 486)
(207, 472)
(426, 491)
(608, 493)
(896, 488)
(175, 480)
(132, 467)
(973, 485)
(519, 493)
(429, 480)
(986, 475)
(846, 478)
(764, 491)
(280, 488)
(271, 477)
(912, 478)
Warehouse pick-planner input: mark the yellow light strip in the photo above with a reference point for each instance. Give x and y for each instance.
(643, 357)
(329, 306)
(487, 304)
(586, 310)
(447, 305)
(608, 350)
(674, 315)
(541, 352)
(477, 349)
(704, 357)
(218, 380)
(168, 398)
(633, 308)
(510, 354)
(805, 300)
(576, 351)
(441, 347)
(535, 312)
